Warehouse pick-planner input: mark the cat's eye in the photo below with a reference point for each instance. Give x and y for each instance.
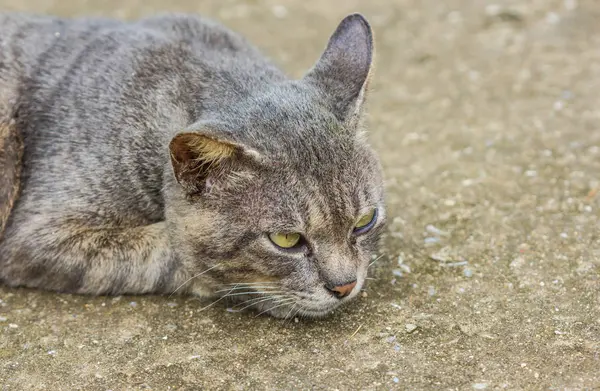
(365, 222)
(286, 240)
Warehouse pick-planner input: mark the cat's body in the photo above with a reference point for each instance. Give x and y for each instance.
(160, 149)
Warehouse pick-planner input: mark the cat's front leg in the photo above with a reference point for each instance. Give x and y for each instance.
(84, 259)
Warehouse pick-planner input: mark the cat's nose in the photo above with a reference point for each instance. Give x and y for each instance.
(341, 291)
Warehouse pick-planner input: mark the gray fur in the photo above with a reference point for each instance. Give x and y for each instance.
(109, 205)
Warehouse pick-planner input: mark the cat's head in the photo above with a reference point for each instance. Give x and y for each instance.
(279, 195)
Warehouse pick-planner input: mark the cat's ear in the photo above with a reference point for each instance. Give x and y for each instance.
(342, 72)
(201, 159)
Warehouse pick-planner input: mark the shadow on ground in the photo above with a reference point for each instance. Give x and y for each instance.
(487, 118)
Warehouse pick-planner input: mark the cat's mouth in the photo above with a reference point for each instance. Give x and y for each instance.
(278, 305)
(290, 311)
(272, 298)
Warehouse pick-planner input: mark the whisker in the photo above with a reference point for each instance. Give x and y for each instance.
(288, 314)
(253, 293)
(300, 308)
(245, 287)
(253, 283)
(297, 311)
(282, 303)
(375, 260)
(216, 301)
(262, 299)
(191, 278)
(259, 298)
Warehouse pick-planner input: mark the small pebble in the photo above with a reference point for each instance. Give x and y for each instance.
(296, 320)
(194, 357)
(13, 326)
(3, 318)
(52, 352)
(480, 386)
(396, 306)
(564, 235)
(492, 9)
(559, 105)
(455, 264)
(410, 327)
(390, 339)
(133, 304)
(468, 273)
(396, 380)
(280, 11)
(172, 305)
(397, 272)
(397, 347)
(566, 95)
(436, 231)
(431, 291)
(552, 18)
(431, 240)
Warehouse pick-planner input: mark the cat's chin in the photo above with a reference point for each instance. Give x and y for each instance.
(293, 312)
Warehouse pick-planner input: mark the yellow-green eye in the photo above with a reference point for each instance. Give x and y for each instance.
(366, 221)
(285, 240)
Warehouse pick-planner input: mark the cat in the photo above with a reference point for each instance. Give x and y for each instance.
(168, 155)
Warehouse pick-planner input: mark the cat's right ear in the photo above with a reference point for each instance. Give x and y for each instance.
(342, 73)
(203, 160)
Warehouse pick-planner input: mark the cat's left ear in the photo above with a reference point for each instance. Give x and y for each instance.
(203, 157)
(342, 72)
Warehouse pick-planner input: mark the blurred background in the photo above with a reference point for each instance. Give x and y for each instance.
(486, 117)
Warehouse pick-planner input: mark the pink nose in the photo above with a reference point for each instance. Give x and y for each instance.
(342, 290)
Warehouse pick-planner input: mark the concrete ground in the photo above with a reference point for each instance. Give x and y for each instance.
(487, 118)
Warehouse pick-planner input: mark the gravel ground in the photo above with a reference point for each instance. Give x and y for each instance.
(486, 115)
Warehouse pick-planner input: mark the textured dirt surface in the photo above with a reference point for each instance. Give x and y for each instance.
(486, 115)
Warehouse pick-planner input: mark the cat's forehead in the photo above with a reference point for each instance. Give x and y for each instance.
(347, 180)
(301, 138)
(289, 110)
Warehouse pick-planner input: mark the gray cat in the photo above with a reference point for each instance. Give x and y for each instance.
(168, 155)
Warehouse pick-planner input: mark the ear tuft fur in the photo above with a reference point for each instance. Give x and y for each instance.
(195, 157)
